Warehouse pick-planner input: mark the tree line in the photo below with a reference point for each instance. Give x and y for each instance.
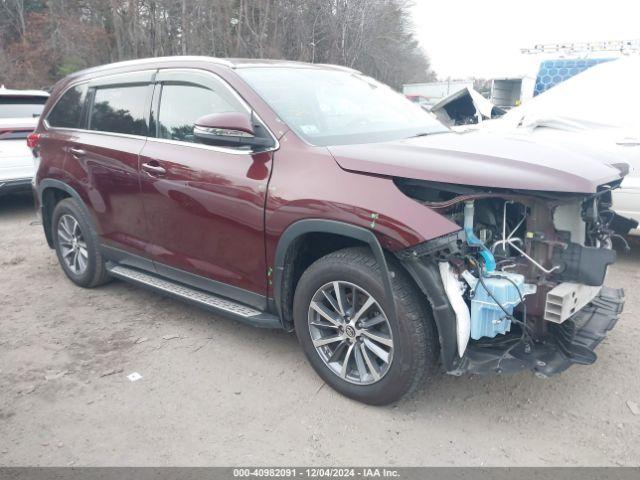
(44, 40)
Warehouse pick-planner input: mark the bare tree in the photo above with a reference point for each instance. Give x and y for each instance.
(42, 40)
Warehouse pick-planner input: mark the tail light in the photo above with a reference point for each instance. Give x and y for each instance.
(32, 140)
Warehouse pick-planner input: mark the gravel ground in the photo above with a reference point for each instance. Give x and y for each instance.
(216, 392)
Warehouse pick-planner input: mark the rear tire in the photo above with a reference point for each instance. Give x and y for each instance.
(409, 343)
(76, 246)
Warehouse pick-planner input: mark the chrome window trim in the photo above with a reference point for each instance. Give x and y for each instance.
(213, 148)
(97, 132)
(226, 85)
(170, 142)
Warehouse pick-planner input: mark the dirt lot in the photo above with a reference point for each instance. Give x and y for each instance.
(215, 392)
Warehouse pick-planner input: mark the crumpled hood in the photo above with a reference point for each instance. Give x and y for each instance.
(488, 159)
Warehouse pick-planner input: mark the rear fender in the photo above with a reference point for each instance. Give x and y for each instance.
(46, 220)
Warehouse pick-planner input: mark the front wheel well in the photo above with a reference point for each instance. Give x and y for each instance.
(302, 252)
(51, 196)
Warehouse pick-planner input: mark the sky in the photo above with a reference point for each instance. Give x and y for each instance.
(483, 38)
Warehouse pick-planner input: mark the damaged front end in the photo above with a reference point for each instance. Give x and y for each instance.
(520, 285)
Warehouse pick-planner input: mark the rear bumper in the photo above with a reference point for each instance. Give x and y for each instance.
(15, 185)
(573, 341)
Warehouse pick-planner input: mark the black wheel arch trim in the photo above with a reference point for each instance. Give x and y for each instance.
(302, 227)
(427, 276)
(60, 185)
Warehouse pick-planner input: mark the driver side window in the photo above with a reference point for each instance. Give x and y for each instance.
(182, 104)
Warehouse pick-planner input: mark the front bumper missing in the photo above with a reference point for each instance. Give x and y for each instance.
(572, 341)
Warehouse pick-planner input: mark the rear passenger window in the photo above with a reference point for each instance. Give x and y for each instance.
(67, 112)
(120, 110)
(181, 105)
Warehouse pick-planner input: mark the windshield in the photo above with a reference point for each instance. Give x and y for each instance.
(21, 107)
(329, 107)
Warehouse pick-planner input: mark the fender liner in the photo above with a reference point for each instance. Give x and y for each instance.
(427, 276)
(60, 185)
(302, 227)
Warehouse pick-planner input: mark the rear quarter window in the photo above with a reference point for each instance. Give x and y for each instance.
(67, 112)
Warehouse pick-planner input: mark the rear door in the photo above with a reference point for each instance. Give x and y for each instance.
(204, 204)
(104, 157)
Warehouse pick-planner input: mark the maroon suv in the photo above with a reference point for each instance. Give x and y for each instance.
(313, 198)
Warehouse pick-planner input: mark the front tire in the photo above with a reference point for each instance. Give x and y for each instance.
(342, 322)
(76, 246)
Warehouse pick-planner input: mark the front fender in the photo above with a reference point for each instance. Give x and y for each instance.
(306, 226)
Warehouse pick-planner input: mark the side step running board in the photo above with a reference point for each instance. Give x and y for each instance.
(207, 300)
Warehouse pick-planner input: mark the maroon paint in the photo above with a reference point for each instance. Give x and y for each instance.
(308, 183)
(488, 160)
(228, 121)
(221, 215)
(53, 148)
(205, 215)
(107, 174)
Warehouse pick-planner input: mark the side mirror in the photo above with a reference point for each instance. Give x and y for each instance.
(230, 129)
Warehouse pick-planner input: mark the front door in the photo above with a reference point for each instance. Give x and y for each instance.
(204, 204)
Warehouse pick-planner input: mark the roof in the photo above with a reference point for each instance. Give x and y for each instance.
(264, 62)
(5, 92)
(227, 62)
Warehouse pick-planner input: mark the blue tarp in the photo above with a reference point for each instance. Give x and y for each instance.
(552, 72)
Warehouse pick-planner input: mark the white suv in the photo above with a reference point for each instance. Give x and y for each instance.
(19, 112)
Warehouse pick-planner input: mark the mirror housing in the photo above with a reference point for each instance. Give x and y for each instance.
(230, 129)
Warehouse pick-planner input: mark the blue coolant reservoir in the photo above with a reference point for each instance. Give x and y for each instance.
(487, 318)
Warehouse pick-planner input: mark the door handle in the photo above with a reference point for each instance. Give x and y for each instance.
(77, 152)
(152, 168)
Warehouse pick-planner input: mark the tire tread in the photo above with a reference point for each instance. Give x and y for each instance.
(100, 274)
(408, 300)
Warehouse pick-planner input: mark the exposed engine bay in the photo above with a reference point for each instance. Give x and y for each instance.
(524, 275)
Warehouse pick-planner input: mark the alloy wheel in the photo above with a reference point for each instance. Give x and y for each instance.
(73, 248)
(350, 332)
